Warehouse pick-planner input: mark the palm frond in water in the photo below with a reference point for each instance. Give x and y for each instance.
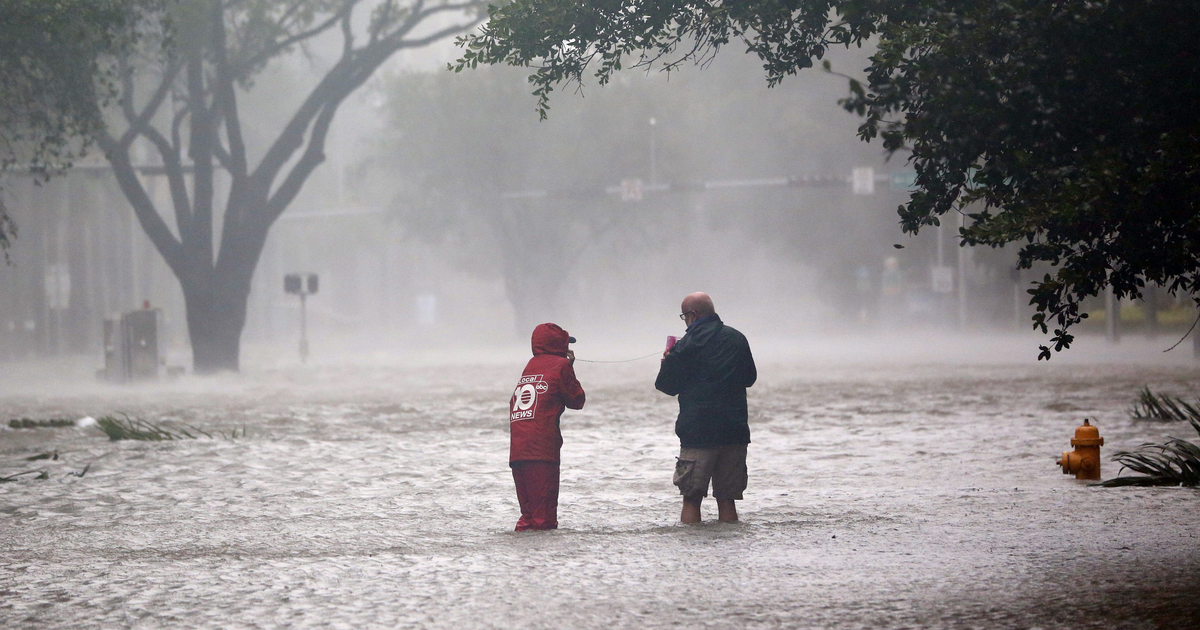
(126, 428)
(137, 429)
(1151, 406)
(1175, 462)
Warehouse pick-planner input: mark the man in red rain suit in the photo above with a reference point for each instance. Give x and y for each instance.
(547, 386)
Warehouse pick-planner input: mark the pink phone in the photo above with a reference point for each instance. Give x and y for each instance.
(671, 339)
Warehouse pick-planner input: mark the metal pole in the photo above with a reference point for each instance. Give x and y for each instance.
(653, 169)
(941, 248)
(303, 329)
(47, 342)
(1196, 340)
(1017, 300)
(1112, 312)
(962, 278)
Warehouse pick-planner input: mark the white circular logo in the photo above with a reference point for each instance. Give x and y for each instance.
(524, 397)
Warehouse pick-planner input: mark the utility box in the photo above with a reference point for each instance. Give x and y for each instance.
(140, 330)
(131, 348)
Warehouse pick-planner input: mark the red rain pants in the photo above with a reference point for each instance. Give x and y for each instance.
(537, 492)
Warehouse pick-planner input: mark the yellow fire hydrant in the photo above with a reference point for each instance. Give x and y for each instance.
(1084, 461)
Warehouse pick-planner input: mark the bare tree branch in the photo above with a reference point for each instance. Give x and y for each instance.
(291, 12)
(347, 36)
(176, 123)
(173, 167)
(247, 65)
(203, 128)
(362, 62)
(225, 103)
(429, 39)
(138, 122)
(143, 208)
(222, 154)
(313, 156)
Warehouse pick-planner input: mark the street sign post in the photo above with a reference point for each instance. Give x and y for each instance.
(303, 285)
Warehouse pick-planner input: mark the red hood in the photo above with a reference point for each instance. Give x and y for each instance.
(550, 339)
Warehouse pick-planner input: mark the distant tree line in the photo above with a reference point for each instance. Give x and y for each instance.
(1066, 127)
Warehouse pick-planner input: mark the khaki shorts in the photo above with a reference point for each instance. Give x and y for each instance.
(724, 465)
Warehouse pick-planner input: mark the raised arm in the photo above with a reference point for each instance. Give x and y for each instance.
(672, 373)
(572, 391)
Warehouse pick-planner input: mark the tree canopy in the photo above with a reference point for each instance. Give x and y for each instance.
(1067, 127)
(52, 84)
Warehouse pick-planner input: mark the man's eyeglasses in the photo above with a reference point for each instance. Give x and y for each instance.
(684, 315)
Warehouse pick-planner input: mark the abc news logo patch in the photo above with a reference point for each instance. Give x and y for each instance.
(524, 400)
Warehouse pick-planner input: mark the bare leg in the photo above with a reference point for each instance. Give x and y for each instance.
(691, 512)
(726, 511)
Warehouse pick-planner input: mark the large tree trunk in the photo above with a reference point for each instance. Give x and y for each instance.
(538, 258)
(216, 316)
(536, 297)
(215, 331)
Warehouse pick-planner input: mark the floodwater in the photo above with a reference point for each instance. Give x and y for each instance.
(894, 494)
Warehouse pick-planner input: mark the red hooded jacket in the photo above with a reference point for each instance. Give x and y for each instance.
(547, 386)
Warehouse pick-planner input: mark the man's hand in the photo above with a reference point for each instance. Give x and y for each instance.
(571, 356)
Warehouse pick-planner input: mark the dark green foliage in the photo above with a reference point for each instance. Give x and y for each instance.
(1151, 406)
(1173, 463)
(127, 428)
(52, 83)
(50, 73)
(1068, 127)
(234, 434)
(562, 38)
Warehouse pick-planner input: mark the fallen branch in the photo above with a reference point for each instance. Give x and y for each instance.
(42, 474)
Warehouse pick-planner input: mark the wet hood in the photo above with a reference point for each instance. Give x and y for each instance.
(550, 339)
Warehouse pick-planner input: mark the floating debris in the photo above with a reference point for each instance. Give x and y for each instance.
(29, 423)
(53, 455)
(1173, 463)
(41, 474)
(1151, 406)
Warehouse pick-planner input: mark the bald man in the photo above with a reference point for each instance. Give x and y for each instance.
(709, 369)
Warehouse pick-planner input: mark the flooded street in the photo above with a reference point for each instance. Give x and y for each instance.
(902, 494)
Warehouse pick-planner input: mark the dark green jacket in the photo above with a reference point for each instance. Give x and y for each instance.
(709, 369)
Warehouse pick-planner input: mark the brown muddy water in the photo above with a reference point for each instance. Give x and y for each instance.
(905, 494)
